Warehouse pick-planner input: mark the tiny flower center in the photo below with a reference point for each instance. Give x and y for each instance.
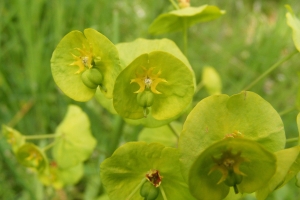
(154, 177)
(148, 82)
(85, 60)
(229, 163)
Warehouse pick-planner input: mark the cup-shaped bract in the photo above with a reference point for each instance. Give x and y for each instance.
(216, 168)
(83, 61)
(74, 142)
(287, 167)
(244, 115)
(134, 163)
(32, 156)
(13, 137)
(179, 19)
(58, 178)
(294, 23)
(169, 79)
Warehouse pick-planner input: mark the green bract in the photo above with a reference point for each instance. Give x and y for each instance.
(217, 166)
(125, 172)
(163, 134)
(211, 80)
(58, 178)
(245, 115)
(294, 23)
(288, 165)
(32, 156)
(82, 62)
(161, 73)
(13, 137)
(178, 19)
(75, 142)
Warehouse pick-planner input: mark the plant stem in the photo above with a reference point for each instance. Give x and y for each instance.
(39, 137)
(20, 114)
(287, 111)
(273, 67)
(163, 193)
(136, 189)
(289, 140)
(174, 4)
(198, 87)
(184, 34)
(173, 131)
(116, 135)
(49, 146)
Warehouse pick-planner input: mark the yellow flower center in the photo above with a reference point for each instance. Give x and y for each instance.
(148, 80)
(84, 60)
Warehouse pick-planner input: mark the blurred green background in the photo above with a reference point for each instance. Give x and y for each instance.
(242, 44)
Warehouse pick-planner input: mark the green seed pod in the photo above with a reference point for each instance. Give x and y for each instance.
(149, 191)
(92, 78)
(145, 99)
(233, 179)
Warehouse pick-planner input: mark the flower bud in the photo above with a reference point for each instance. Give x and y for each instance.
(92, 78)
(149, 191)
(145, 98)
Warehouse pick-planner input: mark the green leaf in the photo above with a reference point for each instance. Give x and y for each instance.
(104, 57)
(294, 23)
(149, 121)
(75, 142)
(163, 134)
(298, 124)
(284, 172)
(105, 102)
(244, 115)
(13, 137)
(211, 80)
(259, 166)
(32, 156)
(174, 20)
(124, 172)
(176, 93)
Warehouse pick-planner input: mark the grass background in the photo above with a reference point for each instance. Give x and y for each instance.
(241, 45)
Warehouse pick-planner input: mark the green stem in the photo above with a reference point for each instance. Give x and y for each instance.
(199, 87)
(273, 67)
(136, 189)
(49, 146)
(39, 137)
(116, 135)
(174, 4)
(287, 111)
(173, 131)
(163, 193)
(289, 140)
(185, 38)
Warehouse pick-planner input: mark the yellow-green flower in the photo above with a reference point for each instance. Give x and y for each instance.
(148, 80)
(84, 60)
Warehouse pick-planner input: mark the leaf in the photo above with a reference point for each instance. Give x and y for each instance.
(211, 80)
(259, 166)
(74, 142)
(245, 115)
(176, 95)
(13, 137)
(32, 156)
(294, 23)
(105, 102)
(163, 135)
(105, 58)
(174, 20)
(298, 125)
(122, 173)
(285, 160)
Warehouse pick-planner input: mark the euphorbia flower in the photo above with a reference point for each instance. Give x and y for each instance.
(232, 162)
(84, 60)
(148, 80)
